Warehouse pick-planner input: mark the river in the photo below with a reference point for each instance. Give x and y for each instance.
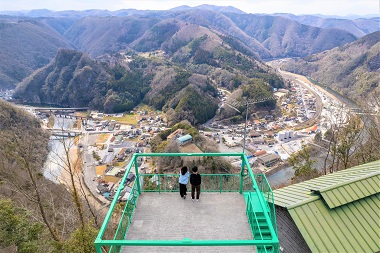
(55, 161)
(348, 102)
(282, 177)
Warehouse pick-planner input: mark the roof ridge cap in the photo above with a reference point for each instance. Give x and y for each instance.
(328, 188)
(303, 202)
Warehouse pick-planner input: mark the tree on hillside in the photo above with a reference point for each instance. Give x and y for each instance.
(17, 228)
(303, 165)
(17, 152)
(70, 163)
(23, 153)
(344, 138)
(169, 163)
(369, 150)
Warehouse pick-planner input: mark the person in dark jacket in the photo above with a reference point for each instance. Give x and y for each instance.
(195, 181)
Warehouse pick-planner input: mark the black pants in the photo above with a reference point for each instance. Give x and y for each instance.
(182, 189)
(195, 189)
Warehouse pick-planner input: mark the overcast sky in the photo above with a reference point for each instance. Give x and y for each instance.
(326, 7)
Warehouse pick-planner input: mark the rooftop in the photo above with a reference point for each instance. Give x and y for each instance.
(338, 212)
(184, 138)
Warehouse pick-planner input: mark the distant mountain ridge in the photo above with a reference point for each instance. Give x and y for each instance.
(26, 45)
(181, 81)
(209, 7)
(263, 34)
(122, 12)
(358, 27)
(99, 32)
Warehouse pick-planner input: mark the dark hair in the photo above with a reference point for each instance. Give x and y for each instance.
(183, 170)
(195, 169)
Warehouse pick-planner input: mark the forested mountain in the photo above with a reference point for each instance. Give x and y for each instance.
(268, 36)
(287, 38)
(166, 59)
(72, 79)
(352, 69)
(31, 40)
(181, 82)
(100, 35)
(25, 45)
(358, 27)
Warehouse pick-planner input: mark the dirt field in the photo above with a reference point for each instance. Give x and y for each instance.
(190, 148)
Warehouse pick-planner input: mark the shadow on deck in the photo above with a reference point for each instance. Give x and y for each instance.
(166, 216)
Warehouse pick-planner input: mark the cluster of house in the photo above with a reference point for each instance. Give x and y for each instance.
(305, 103)
(266, 159)
(266, 138)
(108, 125)
(108, 188)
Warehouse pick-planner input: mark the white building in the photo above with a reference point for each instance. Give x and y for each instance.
(286, 135)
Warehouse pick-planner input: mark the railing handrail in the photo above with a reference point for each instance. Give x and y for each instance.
(113, 203)
(271, 199)
(188, 154)
(221, 182)
(273, 233)
(186, 242)
(177, 174)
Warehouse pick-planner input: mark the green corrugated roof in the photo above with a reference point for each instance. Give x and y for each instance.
(338, 212)
(350, 192)
(363, 177)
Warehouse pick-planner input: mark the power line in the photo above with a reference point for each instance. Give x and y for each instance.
(235, 103)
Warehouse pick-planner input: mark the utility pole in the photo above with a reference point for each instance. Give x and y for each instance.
(247, 103)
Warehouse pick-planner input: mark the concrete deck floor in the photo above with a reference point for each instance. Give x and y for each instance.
(166, 216)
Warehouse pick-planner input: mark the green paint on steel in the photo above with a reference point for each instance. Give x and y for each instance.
(223, 183)
(212, 182)
(137, 174)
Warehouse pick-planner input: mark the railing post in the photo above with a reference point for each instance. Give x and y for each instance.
(159, 183)
(220, 183)
(98, 246)
(241, 174)
(137, 174)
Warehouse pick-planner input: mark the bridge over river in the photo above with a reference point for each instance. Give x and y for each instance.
(64, 132)
(60, 109)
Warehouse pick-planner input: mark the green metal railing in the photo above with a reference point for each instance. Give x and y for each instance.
(112, 238)
(266, 190)
(210, 182)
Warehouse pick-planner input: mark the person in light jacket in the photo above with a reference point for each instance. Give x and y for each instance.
(183, 180)
(195, 181)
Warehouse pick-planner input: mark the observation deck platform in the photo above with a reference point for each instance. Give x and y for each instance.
(166, 216)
